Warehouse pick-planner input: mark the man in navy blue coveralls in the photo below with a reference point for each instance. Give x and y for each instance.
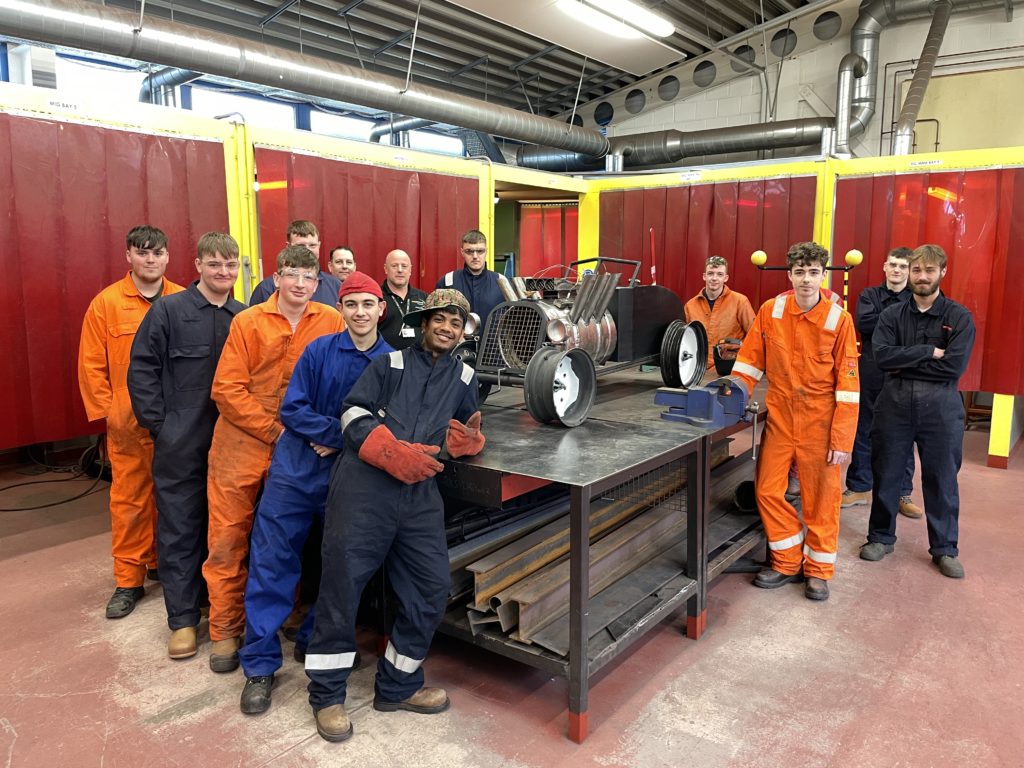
(923, 346)
(296, 488)
(384, 508)
(872, 301)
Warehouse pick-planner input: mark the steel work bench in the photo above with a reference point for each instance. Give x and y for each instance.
(599, 455)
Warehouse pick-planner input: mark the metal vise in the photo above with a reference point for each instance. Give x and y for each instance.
(710, 407)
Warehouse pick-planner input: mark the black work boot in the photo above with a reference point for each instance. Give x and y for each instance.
(771, 579)
(256, 695)
(123, 601)
(816, 589)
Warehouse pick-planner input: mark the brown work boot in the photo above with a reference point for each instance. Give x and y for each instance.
(816, 589)
(909, 509)
(332, 723)
(224, 654)
(426, 701)
(855, 498)
(182, 643)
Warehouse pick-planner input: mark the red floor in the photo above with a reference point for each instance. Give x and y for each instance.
(901, 667)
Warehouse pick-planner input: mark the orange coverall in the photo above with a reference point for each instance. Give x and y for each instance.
(104, 352)
(251, 380)
(731, 317)
(813, 397)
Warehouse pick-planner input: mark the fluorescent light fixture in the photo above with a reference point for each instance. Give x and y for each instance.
(598, 20)
(637, 16)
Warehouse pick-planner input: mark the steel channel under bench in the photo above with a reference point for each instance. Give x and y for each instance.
(591, 459)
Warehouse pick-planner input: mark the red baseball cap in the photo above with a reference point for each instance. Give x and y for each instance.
(359, 282)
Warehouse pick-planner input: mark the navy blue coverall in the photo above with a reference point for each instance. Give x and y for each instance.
(295, 492)
(920, 404)
(174, 358)
(481, 290)
(374, 519)
(870, 304)
(326, 290)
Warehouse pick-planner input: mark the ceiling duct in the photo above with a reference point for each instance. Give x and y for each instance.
(397, 125)
(666, 147)
(90, 27)
(155, 87)
(922, 76)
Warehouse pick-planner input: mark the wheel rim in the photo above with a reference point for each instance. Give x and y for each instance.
(560, 386)
(684, 354)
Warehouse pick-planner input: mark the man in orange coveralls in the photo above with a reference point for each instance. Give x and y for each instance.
(807, 347)
(103, 354)
(264, 343)
(724, 313)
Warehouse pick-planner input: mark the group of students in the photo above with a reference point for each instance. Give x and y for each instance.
(826, 405)
(224, 424)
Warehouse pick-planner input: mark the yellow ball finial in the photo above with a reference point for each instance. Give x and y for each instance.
(759, 258)
(854, 257)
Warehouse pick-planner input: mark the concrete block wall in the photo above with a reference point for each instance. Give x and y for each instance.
(808, 83)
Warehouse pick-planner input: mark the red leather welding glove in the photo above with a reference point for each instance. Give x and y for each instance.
(465, 439)
(399, 459)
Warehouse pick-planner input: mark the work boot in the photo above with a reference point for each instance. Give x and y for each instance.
(182, 643)
(768, 578)
(256, 694)
(123, 601)
(855, 498)
(332, 723)
(224, 654)
(153, 574)
(909, 509)
(426, 701)
(816, 589)
(793, 489)
(949, 566)
(875, 550)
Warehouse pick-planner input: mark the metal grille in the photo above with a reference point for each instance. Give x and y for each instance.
(514, 332)
(663, 487)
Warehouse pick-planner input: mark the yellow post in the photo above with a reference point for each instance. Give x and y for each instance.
(240, 174)
(588, 226)
(1004, 434)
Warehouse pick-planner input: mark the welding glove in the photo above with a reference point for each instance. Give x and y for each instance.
(465, 439)
(405, 462)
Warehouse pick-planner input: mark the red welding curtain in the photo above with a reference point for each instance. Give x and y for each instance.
(371, 209)
(978, 218)
(547, 237)
(690, 223)
(73, 192)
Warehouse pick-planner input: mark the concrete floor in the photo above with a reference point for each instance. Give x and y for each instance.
(902, 667)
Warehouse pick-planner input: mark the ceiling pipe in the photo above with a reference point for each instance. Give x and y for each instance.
(102, 28)
(904, 143)
(398, 125)
(667, 147)
(852, 67)
(153, 87)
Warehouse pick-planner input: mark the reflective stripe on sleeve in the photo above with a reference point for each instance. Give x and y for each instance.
(396, 359)
(400, 662)
(792, 541)
(842, 396)
(820, 557)
(466, 375)
(449, 279)
(329, 661)
(351, 414)
(832, 321)
(751, 371)
(780, 307)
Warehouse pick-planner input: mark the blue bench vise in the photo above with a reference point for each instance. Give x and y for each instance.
(710, 407)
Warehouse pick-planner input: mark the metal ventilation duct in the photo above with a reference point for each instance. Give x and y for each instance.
(398, 125)
(155, 86)
(91, 27)
(922, 76)
(665, 147)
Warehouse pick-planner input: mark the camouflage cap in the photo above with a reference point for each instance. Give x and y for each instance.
(442, 298)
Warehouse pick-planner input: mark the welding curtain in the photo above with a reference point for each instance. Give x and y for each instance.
(72, 193)
(978, 218)
(673, 230)
(547, 237)
(371, 209)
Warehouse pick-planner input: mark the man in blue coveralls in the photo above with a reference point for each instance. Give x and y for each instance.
(923, 346)
(384, 508)
(296, 487)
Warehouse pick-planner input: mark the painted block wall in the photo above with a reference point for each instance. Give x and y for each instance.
(807, 85)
